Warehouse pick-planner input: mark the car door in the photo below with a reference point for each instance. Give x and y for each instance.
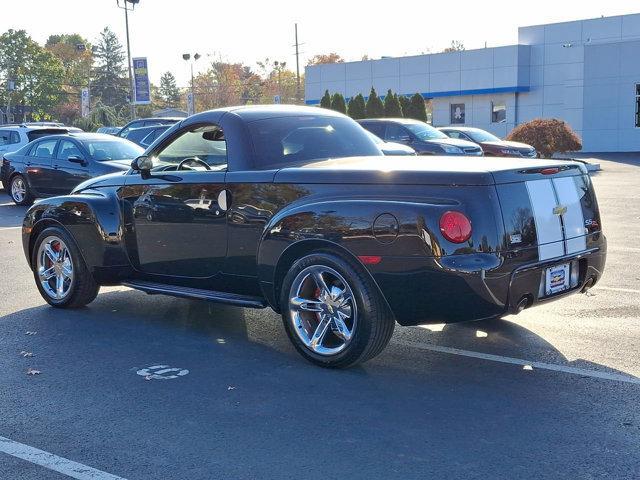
(175, 219)
(71, 166)
(397, 134)
(39, 167)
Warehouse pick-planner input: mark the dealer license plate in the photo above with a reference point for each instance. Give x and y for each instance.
(557, 278)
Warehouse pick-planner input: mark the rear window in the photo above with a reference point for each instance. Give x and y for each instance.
(288, 140)
(42, 132)
(105, 150)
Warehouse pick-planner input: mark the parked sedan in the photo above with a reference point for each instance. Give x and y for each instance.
(391, 148)
(55, 164)
(491, 145)
(420, 136)
(147, 122)
(145, 136)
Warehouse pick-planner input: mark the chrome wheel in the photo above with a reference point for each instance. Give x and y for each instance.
(55, 268)
(18, 189)
(323, 310)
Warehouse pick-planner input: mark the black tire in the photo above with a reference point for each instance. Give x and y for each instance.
(83, 289)
(375, 323)
(28, 197)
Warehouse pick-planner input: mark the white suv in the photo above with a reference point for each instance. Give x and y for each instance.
(15, 136)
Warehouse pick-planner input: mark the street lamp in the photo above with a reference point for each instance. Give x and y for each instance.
(126, 22)
(186, 57)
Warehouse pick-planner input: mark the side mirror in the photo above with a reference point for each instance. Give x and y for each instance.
(142, 163)
(77, 159)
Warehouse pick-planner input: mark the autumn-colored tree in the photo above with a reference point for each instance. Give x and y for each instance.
(357, 107)
(325, 101)
(392, 107)
(338, 104)
(325, 58)
(375, 107)
(547, 136)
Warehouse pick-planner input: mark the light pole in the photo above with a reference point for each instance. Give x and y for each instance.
(187, 57)
(126, 22)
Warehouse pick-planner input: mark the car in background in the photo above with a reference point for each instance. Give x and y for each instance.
(147, 122)
(15, 136)
(490, 144)
(420, 136)
(55, 164)
(145, 136)
(109, 130)
(391, 148)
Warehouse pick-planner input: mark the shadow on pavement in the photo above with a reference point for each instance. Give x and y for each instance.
(252, 408)
(11, 215)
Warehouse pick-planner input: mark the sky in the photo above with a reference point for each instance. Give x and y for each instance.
(250, 30)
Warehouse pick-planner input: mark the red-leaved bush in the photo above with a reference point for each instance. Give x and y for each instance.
(547, 136)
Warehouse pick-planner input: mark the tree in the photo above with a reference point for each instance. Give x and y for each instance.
(110, 83)
(416, 108)
(405, 105)
(168, 93)
(325, 101)
(392, 105)
(375, 107)
(357, 107)
(338, 104)
(37, 74)
(547, 136)
(325, 58)
(456, 46)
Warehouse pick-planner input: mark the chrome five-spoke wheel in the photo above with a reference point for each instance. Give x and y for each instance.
(55, 268)
(322, 310)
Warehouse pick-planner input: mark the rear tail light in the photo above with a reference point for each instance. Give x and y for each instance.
(455, 227)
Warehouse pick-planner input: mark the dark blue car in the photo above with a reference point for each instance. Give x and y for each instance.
(55, 164)
(420, 136)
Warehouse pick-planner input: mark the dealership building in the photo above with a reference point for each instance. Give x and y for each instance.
(585, 72)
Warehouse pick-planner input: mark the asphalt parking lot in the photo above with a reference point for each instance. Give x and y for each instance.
(551, 393)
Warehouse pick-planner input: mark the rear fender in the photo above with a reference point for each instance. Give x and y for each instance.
(344, 225)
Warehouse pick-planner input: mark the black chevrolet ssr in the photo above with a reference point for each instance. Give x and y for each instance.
(296, 208)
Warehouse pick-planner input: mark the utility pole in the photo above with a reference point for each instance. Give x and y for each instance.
(126, 22)
(297, 66)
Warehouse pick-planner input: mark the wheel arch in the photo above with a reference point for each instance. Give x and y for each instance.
(305, 247)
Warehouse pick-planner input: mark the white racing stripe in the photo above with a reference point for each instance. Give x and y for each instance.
(573, 219)
(53, 462)
(617, 377)
(548, 227)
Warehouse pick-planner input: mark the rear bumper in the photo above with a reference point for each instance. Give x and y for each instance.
(473, 286)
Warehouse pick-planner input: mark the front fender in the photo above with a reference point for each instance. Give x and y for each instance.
(92, 218)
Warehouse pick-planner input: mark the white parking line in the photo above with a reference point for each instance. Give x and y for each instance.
(616, 377)
(53, 462)
(10, 228)
(616, 289)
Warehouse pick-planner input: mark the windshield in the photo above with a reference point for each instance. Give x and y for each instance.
(286, 140)
(375, 138)
(424, 131)
(482, 136)
(105, 150)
